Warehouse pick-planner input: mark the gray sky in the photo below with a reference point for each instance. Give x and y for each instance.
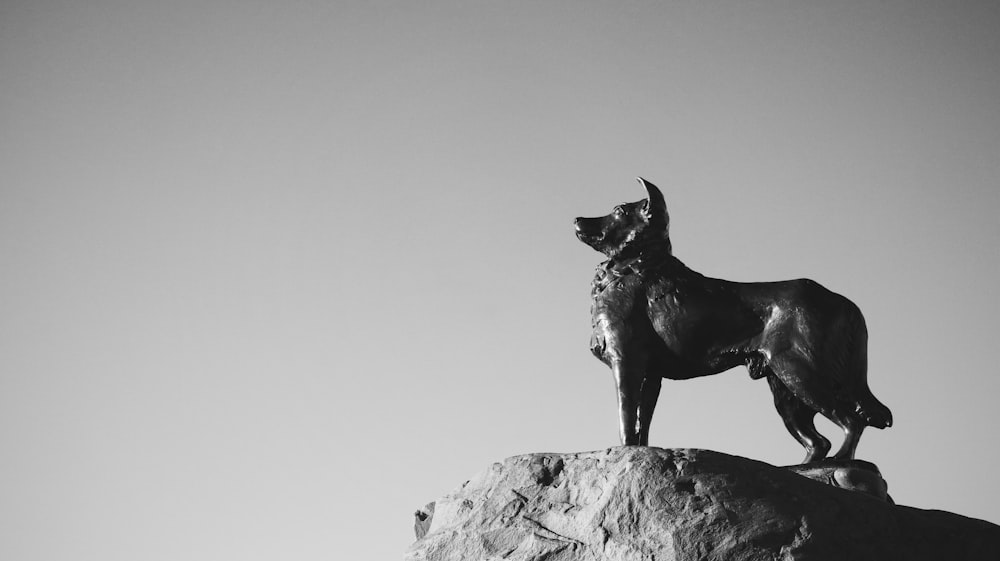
(277, 274)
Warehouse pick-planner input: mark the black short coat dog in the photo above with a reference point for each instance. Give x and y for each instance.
(654, 318)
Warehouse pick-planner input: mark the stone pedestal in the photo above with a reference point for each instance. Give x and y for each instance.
(641, 503)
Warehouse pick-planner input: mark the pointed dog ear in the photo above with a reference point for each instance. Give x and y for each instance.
(656, 207)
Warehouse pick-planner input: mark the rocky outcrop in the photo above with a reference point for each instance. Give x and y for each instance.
(640, 503)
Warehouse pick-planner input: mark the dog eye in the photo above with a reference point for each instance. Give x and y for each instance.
(619, 211)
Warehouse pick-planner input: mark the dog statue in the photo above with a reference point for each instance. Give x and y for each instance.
(654, 318)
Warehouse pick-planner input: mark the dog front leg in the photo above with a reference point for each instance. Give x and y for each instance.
(650, 393)
(628, 381)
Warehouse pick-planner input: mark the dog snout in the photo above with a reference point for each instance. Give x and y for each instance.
(585, 226)
(589, 231)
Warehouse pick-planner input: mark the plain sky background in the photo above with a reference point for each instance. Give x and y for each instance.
(275, 274)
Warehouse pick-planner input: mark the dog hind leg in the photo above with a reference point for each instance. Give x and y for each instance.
(853, 426)
(798, 419)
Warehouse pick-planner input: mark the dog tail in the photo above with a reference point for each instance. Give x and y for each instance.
(868, 407)
(873, 411)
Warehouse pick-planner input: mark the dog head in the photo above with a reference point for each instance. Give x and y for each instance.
(630, 226)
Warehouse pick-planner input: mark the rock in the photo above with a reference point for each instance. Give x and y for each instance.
(422, 520)
(641, 503)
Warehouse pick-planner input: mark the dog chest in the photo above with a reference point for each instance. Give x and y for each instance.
(616, 311)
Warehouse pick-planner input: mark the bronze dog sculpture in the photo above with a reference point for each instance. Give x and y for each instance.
(654, 318)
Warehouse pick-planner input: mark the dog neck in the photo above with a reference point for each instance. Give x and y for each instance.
(650, 256)
(645, 253)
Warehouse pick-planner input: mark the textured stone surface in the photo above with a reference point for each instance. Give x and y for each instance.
(639, 503)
